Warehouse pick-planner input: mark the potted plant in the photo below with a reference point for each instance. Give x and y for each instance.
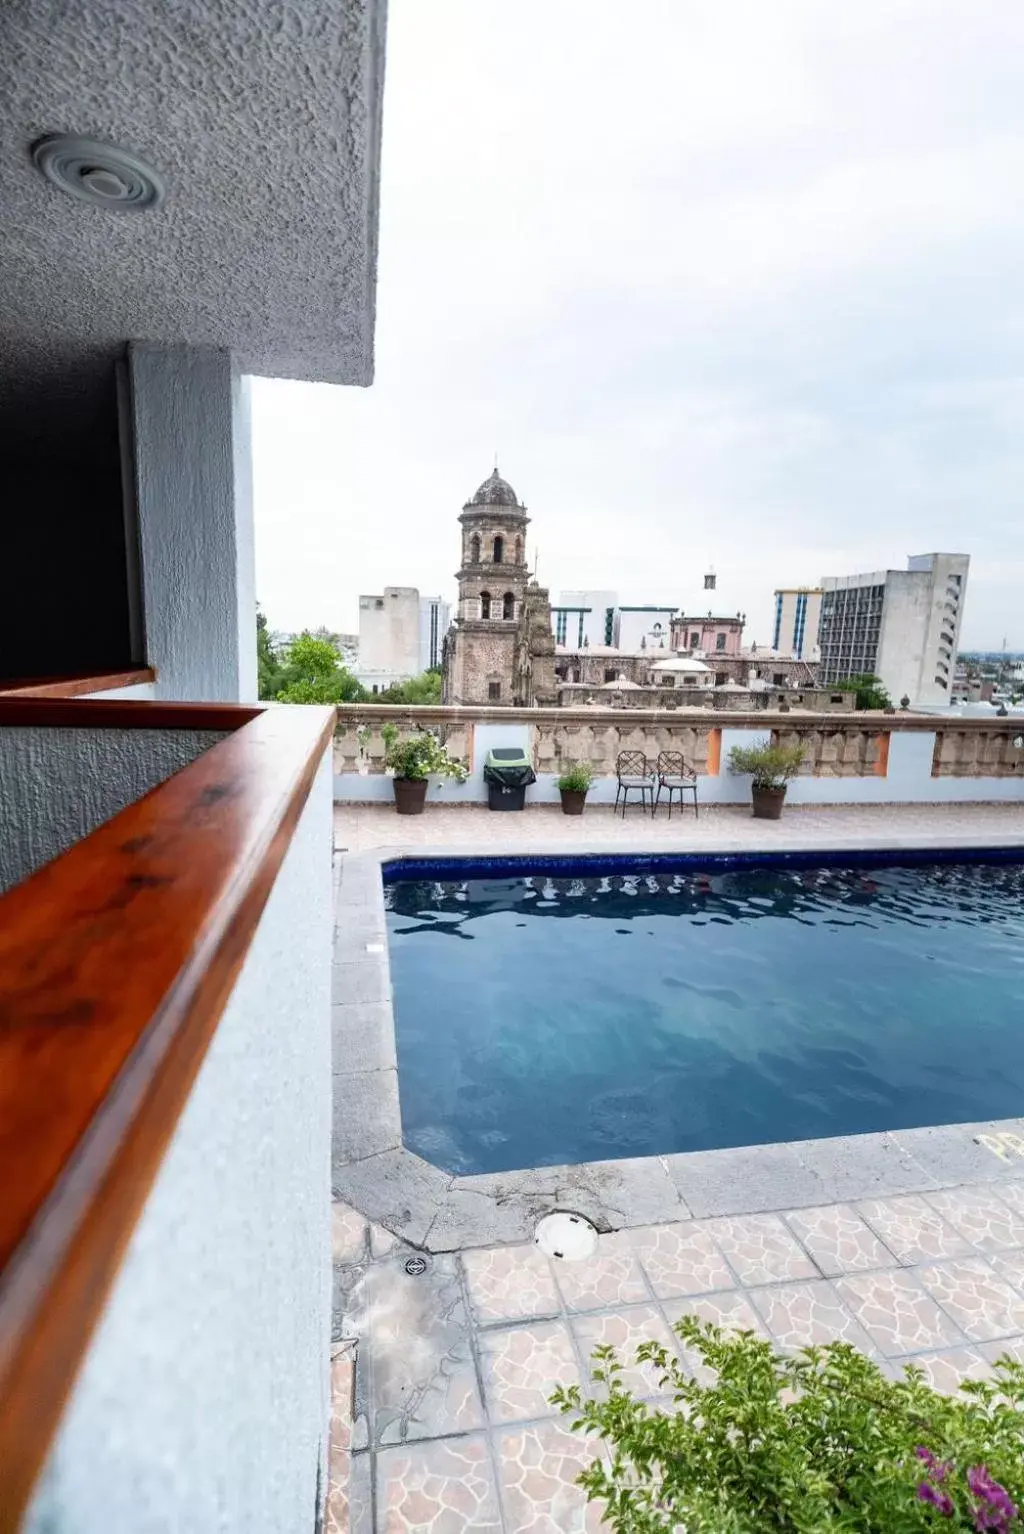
(771, 767)
(413, 761)
(573, 785)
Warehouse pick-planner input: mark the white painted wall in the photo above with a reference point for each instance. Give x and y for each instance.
(203, 1402)
(57, 785)
(389, 636)
(193, 480)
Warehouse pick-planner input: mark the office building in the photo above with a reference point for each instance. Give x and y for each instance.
(585, 618)
(797, 616)
(435, 616)
(389, 637)
(900, 625)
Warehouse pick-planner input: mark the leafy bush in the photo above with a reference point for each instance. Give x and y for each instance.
(871, 691)
(310, 671)
(420, 756)
(819, 1441)
(770, 766)
(422, 689)
(577, 778)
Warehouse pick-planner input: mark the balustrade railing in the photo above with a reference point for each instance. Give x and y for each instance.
(836, 745)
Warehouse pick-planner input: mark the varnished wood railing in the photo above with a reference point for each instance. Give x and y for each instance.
(77, 685)
(116, 962)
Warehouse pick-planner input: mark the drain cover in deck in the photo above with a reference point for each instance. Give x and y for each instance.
(568, 1236)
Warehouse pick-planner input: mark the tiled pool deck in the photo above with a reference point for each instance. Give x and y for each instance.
(911, 1245)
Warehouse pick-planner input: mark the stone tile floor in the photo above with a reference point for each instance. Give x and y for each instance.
(461, 828)
(441, 1378)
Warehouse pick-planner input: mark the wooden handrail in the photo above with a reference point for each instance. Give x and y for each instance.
(116, 962)
(69, 686)
(124, 714)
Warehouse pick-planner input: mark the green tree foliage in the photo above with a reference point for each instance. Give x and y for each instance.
(869, 689)
(809, 1443)
(309, 670)
(425, 688)
(268, 664)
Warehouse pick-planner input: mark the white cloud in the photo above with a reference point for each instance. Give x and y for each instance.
(725, 281)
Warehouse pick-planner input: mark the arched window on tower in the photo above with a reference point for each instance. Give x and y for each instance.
(508, 606)
(519, 551)
(499, 549)
(474, 549)
(485, 604)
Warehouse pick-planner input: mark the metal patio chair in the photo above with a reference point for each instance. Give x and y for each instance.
(634, 776)
(676, 776)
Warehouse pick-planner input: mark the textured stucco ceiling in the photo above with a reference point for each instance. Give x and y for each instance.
(263, 120)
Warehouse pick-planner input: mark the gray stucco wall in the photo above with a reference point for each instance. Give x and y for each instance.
(57, 785)
(193, 489)
(202, 1407)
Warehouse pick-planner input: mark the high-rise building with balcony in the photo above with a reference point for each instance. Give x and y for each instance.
(900, 625)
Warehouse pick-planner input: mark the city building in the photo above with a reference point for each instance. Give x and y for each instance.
(696, 630)
(435, 616)
(900, 625)
(797, 616)
(588, 618)
(389, 637)
(401, 635)
(585, 617)
(648, 627)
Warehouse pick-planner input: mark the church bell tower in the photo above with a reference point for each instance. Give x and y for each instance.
(492, 577)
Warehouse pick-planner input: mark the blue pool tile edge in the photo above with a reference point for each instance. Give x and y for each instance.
(578, 865)
(436, 1211)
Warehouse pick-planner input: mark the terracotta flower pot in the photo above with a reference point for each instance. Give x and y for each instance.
(768, 802)
(573, 800)
(410, 795)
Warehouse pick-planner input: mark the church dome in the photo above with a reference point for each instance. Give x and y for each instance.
(495, 491)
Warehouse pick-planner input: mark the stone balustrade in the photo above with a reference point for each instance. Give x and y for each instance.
(864, 757)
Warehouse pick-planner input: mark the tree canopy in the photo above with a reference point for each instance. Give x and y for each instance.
(308, 670)
(425, 688)
(870, 690)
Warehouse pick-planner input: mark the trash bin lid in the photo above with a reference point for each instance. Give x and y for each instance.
(508, 756)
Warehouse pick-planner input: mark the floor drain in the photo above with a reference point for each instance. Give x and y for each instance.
(567, 1236)
(415, 1266)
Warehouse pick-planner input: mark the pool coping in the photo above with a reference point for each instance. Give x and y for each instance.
(438, 1211)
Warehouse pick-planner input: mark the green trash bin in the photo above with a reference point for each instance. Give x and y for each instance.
(508, 772)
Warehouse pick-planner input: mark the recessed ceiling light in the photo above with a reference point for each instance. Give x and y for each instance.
(102, 174)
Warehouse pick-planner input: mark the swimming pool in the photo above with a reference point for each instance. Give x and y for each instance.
(596, 1014)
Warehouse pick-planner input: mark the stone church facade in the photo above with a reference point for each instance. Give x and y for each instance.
(500, 648)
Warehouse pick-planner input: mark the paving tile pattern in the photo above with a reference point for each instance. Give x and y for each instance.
(441, 1379)
(910, 1246)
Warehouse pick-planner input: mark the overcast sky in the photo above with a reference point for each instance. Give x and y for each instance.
(727, 281)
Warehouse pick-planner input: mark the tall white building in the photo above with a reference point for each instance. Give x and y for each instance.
(901, 625)
(389, 637)
(401, 634)
(797, 618)
(435, 616)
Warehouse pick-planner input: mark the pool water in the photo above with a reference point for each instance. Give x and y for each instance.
(547, 1020)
